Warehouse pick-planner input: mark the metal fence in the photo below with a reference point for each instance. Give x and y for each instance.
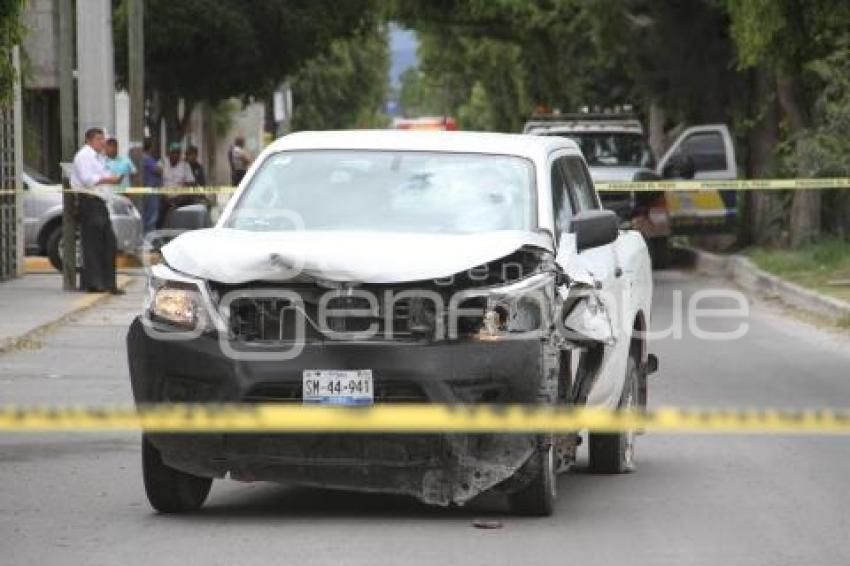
(8, 197)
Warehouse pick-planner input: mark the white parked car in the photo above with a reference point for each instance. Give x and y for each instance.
(363, 267)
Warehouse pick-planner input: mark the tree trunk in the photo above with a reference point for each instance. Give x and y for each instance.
(657, 139)
(765, 216)
(806, 205)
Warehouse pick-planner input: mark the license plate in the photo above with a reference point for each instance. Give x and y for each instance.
(338, 387)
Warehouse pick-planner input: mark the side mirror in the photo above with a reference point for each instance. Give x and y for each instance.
(594, 228)
(679, 166)
(190, 217)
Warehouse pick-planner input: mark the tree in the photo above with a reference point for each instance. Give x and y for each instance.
(783, 37)
(210, 50)
(345, 87)
(11, 34)
(417, 96)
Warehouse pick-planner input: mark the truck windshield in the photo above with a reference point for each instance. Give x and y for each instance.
(388, 191)
(612, 149)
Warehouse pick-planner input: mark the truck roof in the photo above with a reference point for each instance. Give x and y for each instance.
(593, 125)
(531, 147)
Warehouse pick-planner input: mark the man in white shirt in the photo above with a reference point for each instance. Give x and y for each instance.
(91, 177)
(175, 171)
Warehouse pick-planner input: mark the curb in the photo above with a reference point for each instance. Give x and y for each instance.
(31, 338)
(741, 271)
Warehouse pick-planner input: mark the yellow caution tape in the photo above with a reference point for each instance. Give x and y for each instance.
(731, 185)
(637, 186)
(424, 418)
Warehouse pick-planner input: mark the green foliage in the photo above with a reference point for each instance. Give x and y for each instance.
(418, 96)
(345, 87)
(11, 34)
(786, 33)
(570, 53)
(478, 80)
(209, 50)
(824, 150)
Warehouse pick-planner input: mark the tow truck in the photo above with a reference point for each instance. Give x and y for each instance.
(616, 150)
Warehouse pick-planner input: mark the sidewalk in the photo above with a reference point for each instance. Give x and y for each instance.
(34, 303)
(744, 273)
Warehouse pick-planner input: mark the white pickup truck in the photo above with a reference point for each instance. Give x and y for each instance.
(362, 267)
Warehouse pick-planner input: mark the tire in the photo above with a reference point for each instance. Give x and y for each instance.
(170, 490)
(53, 247)
(659, 252)
(613, 453)
(537, 499)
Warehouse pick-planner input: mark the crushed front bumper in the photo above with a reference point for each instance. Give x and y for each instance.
(438, 469)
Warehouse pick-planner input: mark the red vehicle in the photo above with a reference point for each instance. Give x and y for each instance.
(426, 123)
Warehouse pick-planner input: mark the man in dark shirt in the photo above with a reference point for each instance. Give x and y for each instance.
(151, 177)
(200, 179)
(197, 167)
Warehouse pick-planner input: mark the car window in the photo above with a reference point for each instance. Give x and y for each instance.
(611, 149)
(561, 206)
(706, 149)
(388, 191)
(579, 181)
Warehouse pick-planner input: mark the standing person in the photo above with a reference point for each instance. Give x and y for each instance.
(119, 165)
(239, 159)
(176, 173)
(200, 178)
(151, 177)
(196, 166)
(89, 176)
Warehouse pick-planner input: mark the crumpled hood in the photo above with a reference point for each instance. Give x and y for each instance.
(238, 256)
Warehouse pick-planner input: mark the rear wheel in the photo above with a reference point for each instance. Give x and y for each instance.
(613, 453)
(538, 497)
(170, 490)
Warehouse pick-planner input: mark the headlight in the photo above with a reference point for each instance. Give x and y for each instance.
(522, 314)
(503, 312)
(175, 300)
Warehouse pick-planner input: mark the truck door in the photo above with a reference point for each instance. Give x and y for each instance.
(710, 150)
(602, 261)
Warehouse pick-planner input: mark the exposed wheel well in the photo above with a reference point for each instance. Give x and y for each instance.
(638, 346)
(638, 349)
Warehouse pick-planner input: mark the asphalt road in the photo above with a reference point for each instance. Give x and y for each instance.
(78, 498)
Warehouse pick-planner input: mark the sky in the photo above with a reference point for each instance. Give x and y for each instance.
(402, 52)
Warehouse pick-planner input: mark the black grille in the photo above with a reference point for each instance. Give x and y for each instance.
(271, 319)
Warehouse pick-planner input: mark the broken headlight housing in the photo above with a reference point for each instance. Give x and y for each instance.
(176, 300)
(503, 312)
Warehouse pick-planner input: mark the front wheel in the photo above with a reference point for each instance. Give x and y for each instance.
(170, 490)
(538, 497)
(614, 453)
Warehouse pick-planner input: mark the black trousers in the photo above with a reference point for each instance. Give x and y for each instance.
(99, 245)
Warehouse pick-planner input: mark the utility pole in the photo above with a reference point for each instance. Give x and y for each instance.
(136, 67)
(18, 197)
(69, 139)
